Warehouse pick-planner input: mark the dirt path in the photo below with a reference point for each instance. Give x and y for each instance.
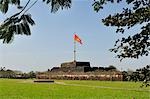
(103, 87)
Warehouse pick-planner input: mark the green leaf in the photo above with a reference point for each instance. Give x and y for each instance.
(8, 35)
(15, 2)
(4, 6)
(29, 19)
(25, 28)
(57, 4)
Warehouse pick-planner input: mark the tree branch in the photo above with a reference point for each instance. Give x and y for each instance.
(30, 6)
(8, 19)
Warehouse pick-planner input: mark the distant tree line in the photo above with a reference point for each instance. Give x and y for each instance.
(7, 73)
(142, 74)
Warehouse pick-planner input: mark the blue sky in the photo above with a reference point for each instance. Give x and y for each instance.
(51, 42)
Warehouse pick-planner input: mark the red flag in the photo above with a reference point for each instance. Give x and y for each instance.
(76, 38)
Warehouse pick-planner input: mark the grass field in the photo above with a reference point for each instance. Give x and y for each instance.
(66, 89)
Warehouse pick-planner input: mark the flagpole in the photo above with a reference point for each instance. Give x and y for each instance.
(74, 50)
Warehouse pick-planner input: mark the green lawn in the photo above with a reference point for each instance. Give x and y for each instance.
(66, 89)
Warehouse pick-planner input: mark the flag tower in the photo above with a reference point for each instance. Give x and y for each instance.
(76, 39)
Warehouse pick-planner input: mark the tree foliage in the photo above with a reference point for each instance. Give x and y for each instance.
(138, 13)
(20, 22)
(57, 4)
(142, 74)
(127, 47)
(7, 73)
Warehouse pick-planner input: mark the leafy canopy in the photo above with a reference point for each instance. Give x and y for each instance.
(19, 23)
(138, 13)
(127, 47)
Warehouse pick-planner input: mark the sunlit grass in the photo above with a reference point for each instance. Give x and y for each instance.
(66, 89)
